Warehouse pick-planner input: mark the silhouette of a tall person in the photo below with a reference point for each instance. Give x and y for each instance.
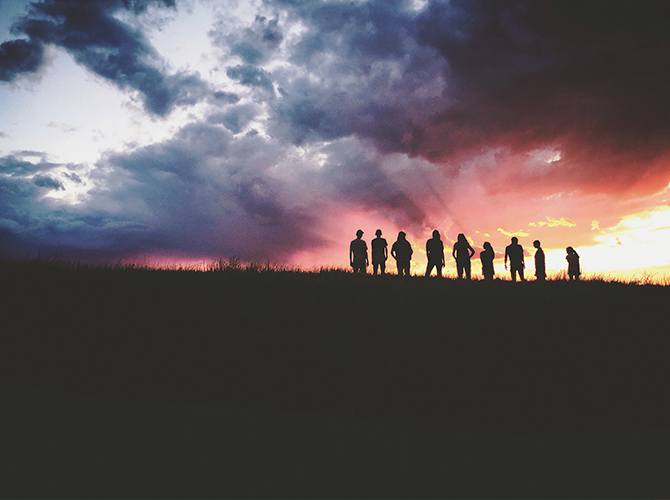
(435, 254)
(380, 253)
(462, 252)
(486, 256)
(402, 252)
(358, 254)
(573, 264)
(514, 252)
(540, 268)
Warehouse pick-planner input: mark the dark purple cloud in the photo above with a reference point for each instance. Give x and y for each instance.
(589, 77)
(20, 56)
(223, 98)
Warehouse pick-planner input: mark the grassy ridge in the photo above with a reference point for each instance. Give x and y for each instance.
(524, 356)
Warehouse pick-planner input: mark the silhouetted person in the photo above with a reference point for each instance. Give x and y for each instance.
(380, 253)
(514, 252)
(540, 269)
(435, 254)
(573, 264)
(462, 252)
(486, 256)
(358, 254)
(402, 252)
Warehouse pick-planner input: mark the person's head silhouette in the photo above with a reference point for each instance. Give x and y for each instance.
(570, 250)
(487, 246)
(359, 233)
(378, 232)
(461, 238)
(401, 235)
(436, 234)
(536, 243)
(515, 240)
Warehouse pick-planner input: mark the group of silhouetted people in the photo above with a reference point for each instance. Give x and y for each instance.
(462, 252)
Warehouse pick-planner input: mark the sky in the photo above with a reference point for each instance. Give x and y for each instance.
(191, 130)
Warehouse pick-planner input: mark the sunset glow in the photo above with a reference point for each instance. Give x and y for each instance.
(191, 130)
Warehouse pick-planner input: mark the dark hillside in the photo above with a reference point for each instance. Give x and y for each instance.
(437, 352)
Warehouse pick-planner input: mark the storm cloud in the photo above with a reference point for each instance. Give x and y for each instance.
(586, 77)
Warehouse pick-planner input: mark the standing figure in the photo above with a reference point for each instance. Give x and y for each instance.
(514, 252)
(462, 252)
(573, 264)
(487, 256)
(380, 253)
(540, 269)
(358, 254)
(435, 254)
(402, 252)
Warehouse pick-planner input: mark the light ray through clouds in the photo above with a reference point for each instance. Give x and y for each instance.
(274, 129)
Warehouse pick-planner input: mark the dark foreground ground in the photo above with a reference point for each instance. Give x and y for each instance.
(130, 382)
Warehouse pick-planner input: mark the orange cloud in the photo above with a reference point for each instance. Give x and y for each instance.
(551, 222)
(510, 234)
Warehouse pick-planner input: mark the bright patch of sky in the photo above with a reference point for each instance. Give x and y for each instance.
(181, 36)
(638, 241)
(75, 117)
